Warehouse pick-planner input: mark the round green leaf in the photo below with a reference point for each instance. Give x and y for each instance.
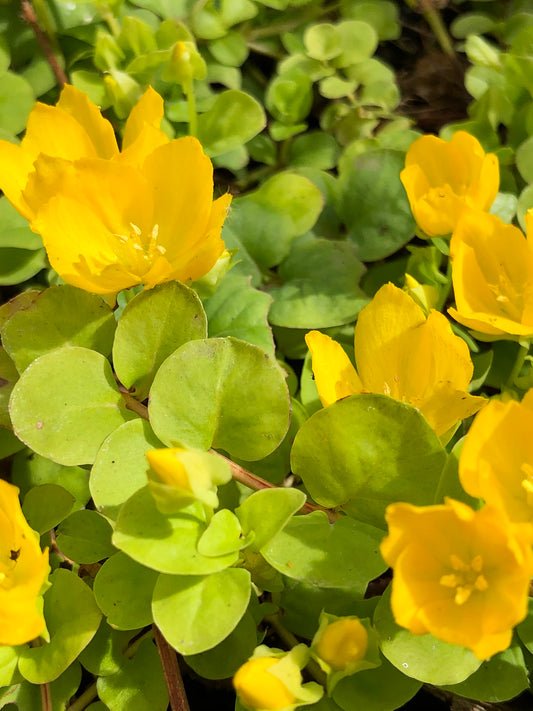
(16, 101)
(8, 378)
(72, 619)
(222, 661)
(500, 678)
(120, 466)
(381, 689)
(47, 505)
(322, 41)
(66, 403)
(104, 655)
(230, 50)
(366, 452)
(222, 393)
(312, 550)
(197, 613)
(321, 286)
(372, 203)
(18, 265)
(59, 316)
(267, 511)
(85, 537)
(167, 543)
(123, 590)
(358, 41)
(314, 149)
(138, 686)
(524, 159)
(422, 657)
(234, 119)
(153, 324)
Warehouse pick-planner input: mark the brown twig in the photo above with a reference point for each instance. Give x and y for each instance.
(171, 671)
(46, 697)
(29, 16)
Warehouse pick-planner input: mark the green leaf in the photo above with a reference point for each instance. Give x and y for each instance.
(366, 452)
(524, 159)
(15, 230)
(223, 535)
(195, 613)
(167, 543)
(314, 149)
(500, 678)
(321, 286)
(422, 657)
(9, 444)
(381, 689)
(8, 666)
(222, 661)
(66, 403)
(267, 220)
(47, 505)
(59, 316)
(152, 326)
(30, 470)
(230, 50)
(381, 14)
(120, 466)
(104, 653)
(16, 99)
(372, 203)
(289, 97)
(222, 393)
(72, 619)
(319, 553)
(28, 696)
(322, 41)
(8, 378)
(123, 590)
(234, 119)
(358, 41)
(18, 265)
(237, 309)
(267, 511)
(85, 537)
(138, 686)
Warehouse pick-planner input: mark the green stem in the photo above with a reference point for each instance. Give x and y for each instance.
(432, 16)
(517, 367)
(290, 641)
(191, 108)
(90, 693)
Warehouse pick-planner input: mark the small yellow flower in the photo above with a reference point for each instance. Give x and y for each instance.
(177, 477)
(441, 177)
(459, 574)
(402, 354)
(23, 571)
(496, 461)
(492, 274)
(72, 129)
(342, 642)
(271, 680)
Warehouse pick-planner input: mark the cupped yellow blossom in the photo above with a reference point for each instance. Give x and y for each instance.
(441, 177)
(271, 680)
(177, 477)
(459, 574)
(402, 354)
(72, 129)
(110, 225)
(492, 274)
(342, 642)
(23, 571)
(259, 689)
(496, 461)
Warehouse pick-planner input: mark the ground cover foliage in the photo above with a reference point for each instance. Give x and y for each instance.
(265, 371)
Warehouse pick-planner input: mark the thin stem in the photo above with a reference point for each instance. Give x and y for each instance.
(171, 671)
(290, 641)
(432, 16)
(46, 697)
(517, 367)
(243, 476)
(191, 108)
(30, 17)
(90, 693)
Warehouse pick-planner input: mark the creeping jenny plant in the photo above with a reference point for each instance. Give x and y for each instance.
(208, 208)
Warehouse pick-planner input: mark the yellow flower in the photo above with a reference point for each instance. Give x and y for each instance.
(496, 461)
(177, 477)
(492, 274)
(441, 177)
(260, 689)
(23, 571)
(402, 354)
(459, 574)
(75, 129)
(271, 680)
(342, 642)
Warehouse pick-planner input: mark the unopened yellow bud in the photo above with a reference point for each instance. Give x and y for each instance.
(342, 642)
(169, 468)
(259, 689)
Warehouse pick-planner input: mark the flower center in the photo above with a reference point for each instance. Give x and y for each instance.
(465, 578)
(138, 250)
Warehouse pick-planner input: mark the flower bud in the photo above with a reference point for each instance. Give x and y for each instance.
(342, 642)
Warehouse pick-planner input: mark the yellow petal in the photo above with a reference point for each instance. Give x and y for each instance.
(15, 167)
(88, 115)
(334, 374)
(149, 110)
(445, 406)
(385, 363)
